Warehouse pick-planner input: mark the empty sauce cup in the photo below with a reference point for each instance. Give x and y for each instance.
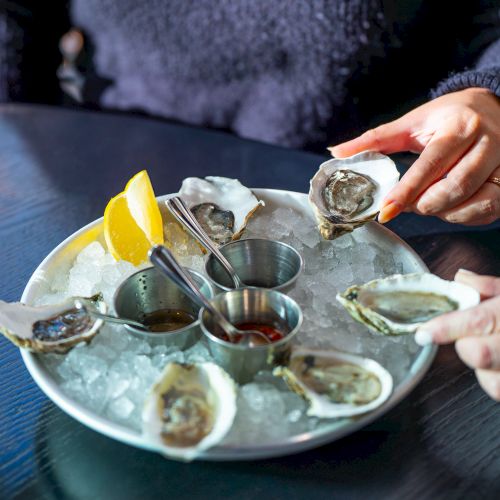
(259, 263)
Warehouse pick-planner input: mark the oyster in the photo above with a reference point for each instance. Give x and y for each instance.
(222, 206)
(336, 384)
(346, 193)
(53, 328)
(400, 303)
(190, 408)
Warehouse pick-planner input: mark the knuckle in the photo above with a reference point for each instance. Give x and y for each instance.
(482, 322)
(453, 217)
(373, 136)
(490, 208)
(460, 187)
(472, 123)
(431, 163)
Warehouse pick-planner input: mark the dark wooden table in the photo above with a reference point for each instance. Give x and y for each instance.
(58, 168)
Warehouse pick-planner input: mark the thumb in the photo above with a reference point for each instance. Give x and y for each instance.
(388, 138)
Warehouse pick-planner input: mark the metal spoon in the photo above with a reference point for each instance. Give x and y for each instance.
(182, 213)
(83, 305)
(165, 262)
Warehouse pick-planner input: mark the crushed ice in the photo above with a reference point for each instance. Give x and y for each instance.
(113, 374)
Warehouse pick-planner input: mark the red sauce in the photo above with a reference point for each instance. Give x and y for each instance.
(271, 332)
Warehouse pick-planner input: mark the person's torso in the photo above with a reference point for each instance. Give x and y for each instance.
(296, 73)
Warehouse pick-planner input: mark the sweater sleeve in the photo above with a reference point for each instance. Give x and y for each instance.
(485, 73)
(29, 56)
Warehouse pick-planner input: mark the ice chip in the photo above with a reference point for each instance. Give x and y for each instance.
(121, 408)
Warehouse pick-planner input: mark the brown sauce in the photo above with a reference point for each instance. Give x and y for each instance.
(167, 320)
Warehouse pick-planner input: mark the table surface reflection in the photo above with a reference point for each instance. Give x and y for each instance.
(58, 168)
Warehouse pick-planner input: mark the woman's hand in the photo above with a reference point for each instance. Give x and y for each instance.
(475, 331)
(458, 138)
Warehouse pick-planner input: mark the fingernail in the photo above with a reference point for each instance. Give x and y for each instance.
(335, 151)
(423, 337)
(389, 211)
(465, 276)
(466, 272)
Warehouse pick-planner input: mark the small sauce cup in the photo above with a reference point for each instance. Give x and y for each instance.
(251, 305)
(259, 263)
(148, 291)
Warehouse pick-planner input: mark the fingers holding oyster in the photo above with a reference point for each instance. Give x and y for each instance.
(347, 193)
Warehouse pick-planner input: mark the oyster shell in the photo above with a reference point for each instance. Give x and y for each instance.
(336, 384)
(53, 328)
(190, 408)
(400, 303)
(346, 193)
(222, 206)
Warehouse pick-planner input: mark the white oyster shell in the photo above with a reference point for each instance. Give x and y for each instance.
(402, 313)
(320, 404)
(210, 387)
(380, 169)
(227, 194)
(17, 321)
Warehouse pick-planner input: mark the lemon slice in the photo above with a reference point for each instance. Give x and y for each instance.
(132, 221)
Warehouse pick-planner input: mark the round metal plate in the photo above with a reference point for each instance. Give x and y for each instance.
(60, 259)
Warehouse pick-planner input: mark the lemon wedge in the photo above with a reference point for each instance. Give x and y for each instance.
(132, 221)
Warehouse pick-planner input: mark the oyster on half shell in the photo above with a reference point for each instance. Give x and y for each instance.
(189, 409)
(221, 205)
(346, 193)
(400, 303)
(53, 328)
(336, 384)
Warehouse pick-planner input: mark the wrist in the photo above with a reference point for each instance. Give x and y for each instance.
(481, 92)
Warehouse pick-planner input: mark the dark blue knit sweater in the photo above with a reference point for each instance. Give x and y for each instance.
(301, 73)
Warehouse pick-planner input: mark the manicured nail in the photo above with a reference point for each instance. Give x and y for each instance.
(332, 150)
(466, 272)
(389, 211)
(465, 276)
(423, 337)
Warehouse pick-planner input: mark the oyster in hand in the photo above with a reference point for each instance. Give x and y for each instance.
(221, 205)
(400, 303)
(190, 409)
(347, 193)
(336, 384)
(53, 328)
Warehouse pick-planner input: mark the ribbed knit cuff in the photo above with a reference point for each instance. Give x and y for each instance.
(486, 79)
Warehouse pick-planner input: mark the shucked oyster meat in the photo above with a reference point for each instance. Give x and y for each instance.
(217, 223)
(190, 409)
(336, 384)
(222, 206)
(346, 193)
(399, 304)
(53, 328)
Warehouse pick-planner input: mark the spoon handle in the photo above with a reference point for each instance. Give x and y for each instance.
(182, 213)
(82, 304)
(165, 262)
